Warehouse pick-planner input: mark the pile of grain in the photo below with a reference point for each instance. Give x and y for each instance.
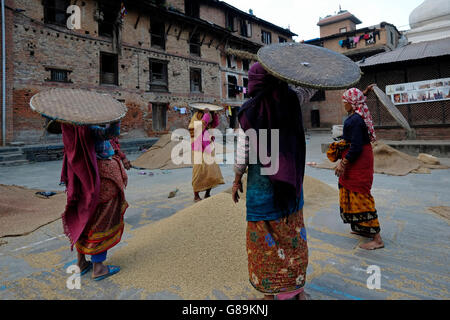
(22, 212)
(159, 155)
(388, 160)
(442, 211)
(199, 249)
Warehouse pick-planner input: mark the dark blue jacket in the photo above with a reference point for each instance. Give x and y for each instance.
(355, 132)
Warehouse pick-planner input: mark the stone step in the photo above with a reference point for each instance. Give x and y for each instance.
(8, 150)
(12, 156)
(13, 163)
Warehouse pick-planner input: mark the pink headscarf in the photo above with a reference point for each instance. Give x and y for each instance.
(357, 99)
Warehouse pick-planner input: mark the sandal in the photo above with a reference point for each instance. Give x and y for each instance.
(111, 271)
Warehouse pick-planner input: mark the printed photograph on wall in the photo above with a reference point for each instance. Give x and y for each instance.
(418, 92)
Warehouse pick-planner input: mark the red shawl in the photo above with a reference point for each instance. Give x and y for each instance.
(81, 177)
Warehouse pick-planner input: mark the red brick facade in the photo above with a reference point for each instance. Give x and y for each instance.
(35, 47)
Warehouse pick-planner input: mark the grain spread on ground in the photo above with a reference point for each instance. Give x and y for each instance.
(201, 248)
(159, 156)
(388, 160)
(442, 211)
(22, 212)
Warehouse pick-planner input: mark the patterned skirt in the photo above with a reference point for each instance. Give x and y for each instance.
(358, 209)
(105, 228)
(277, 254)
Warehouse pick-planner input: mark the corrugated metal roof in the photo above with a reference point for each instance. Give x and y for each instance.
(414, 51)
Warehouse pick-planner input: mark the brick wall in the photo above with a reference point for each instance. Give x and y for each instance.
(334, 28)
(331, 110)
(214, 15)
(178, 4)
(381, 42)
(35, 46)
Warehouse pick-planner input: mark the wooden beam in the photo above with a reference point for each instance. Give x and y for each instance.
(137, 21)
(193, 32)
(204, 36)
(210, 42)
(220, 42)
(168, 29)
(179, 33)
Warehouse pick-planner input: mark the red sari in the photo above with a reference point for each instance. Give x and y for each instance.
(357, 206)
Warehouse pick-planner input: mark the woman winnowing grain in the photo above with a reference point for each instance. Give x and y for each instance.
(355, 170)
(276, 236)
(205, 171)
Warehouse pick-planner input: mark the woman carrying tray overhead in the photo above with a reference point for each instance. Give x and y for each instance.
(206, 172)
(92, 171)
(95, 178)
(277, 248)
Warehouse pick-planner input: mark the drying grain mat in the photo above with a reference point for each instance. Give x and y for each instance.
(390, 161)
(393, 110)
(309, 66)
(200, 250)
(159, 156)
(76, 106)
(22, 212)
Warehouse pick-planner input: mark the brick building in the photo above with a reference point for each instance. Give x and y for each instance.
(340, 33)
(160, 57)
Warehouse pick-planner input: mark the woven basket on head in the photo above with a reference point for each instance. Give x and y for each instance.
(76, 106)
(309, 66)
(203, 106)
(391, 108)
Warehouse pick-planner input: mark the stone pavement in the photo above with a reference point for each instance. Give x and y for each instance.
(414, 264)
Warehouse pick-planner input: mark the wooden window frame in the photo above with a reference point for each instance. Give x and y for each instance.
(266, 35)
(115, 67)
(161, 36)
(52, 72)
(192, 71)
(231, 89)
(195, 43)
(159, 86)
(52, 20)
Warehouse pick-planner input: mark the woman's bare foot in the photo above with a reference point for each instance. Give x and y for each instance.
(197, 197)
(303, 296)
(99, 270)
(362, 234)
(376, 243)
(268, 297)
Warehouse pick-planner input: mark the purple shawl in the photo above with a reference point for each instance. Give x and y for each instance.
(80, 174)
(275, 106)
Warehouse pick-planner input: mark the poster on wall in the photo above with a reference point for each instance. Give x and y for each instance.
(419, 92)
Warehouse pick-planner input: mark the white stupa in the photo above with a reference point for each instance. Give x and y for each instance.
(429, 21)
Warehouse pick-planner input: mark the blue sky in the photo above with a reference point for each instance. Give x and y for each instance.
(302, 15)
